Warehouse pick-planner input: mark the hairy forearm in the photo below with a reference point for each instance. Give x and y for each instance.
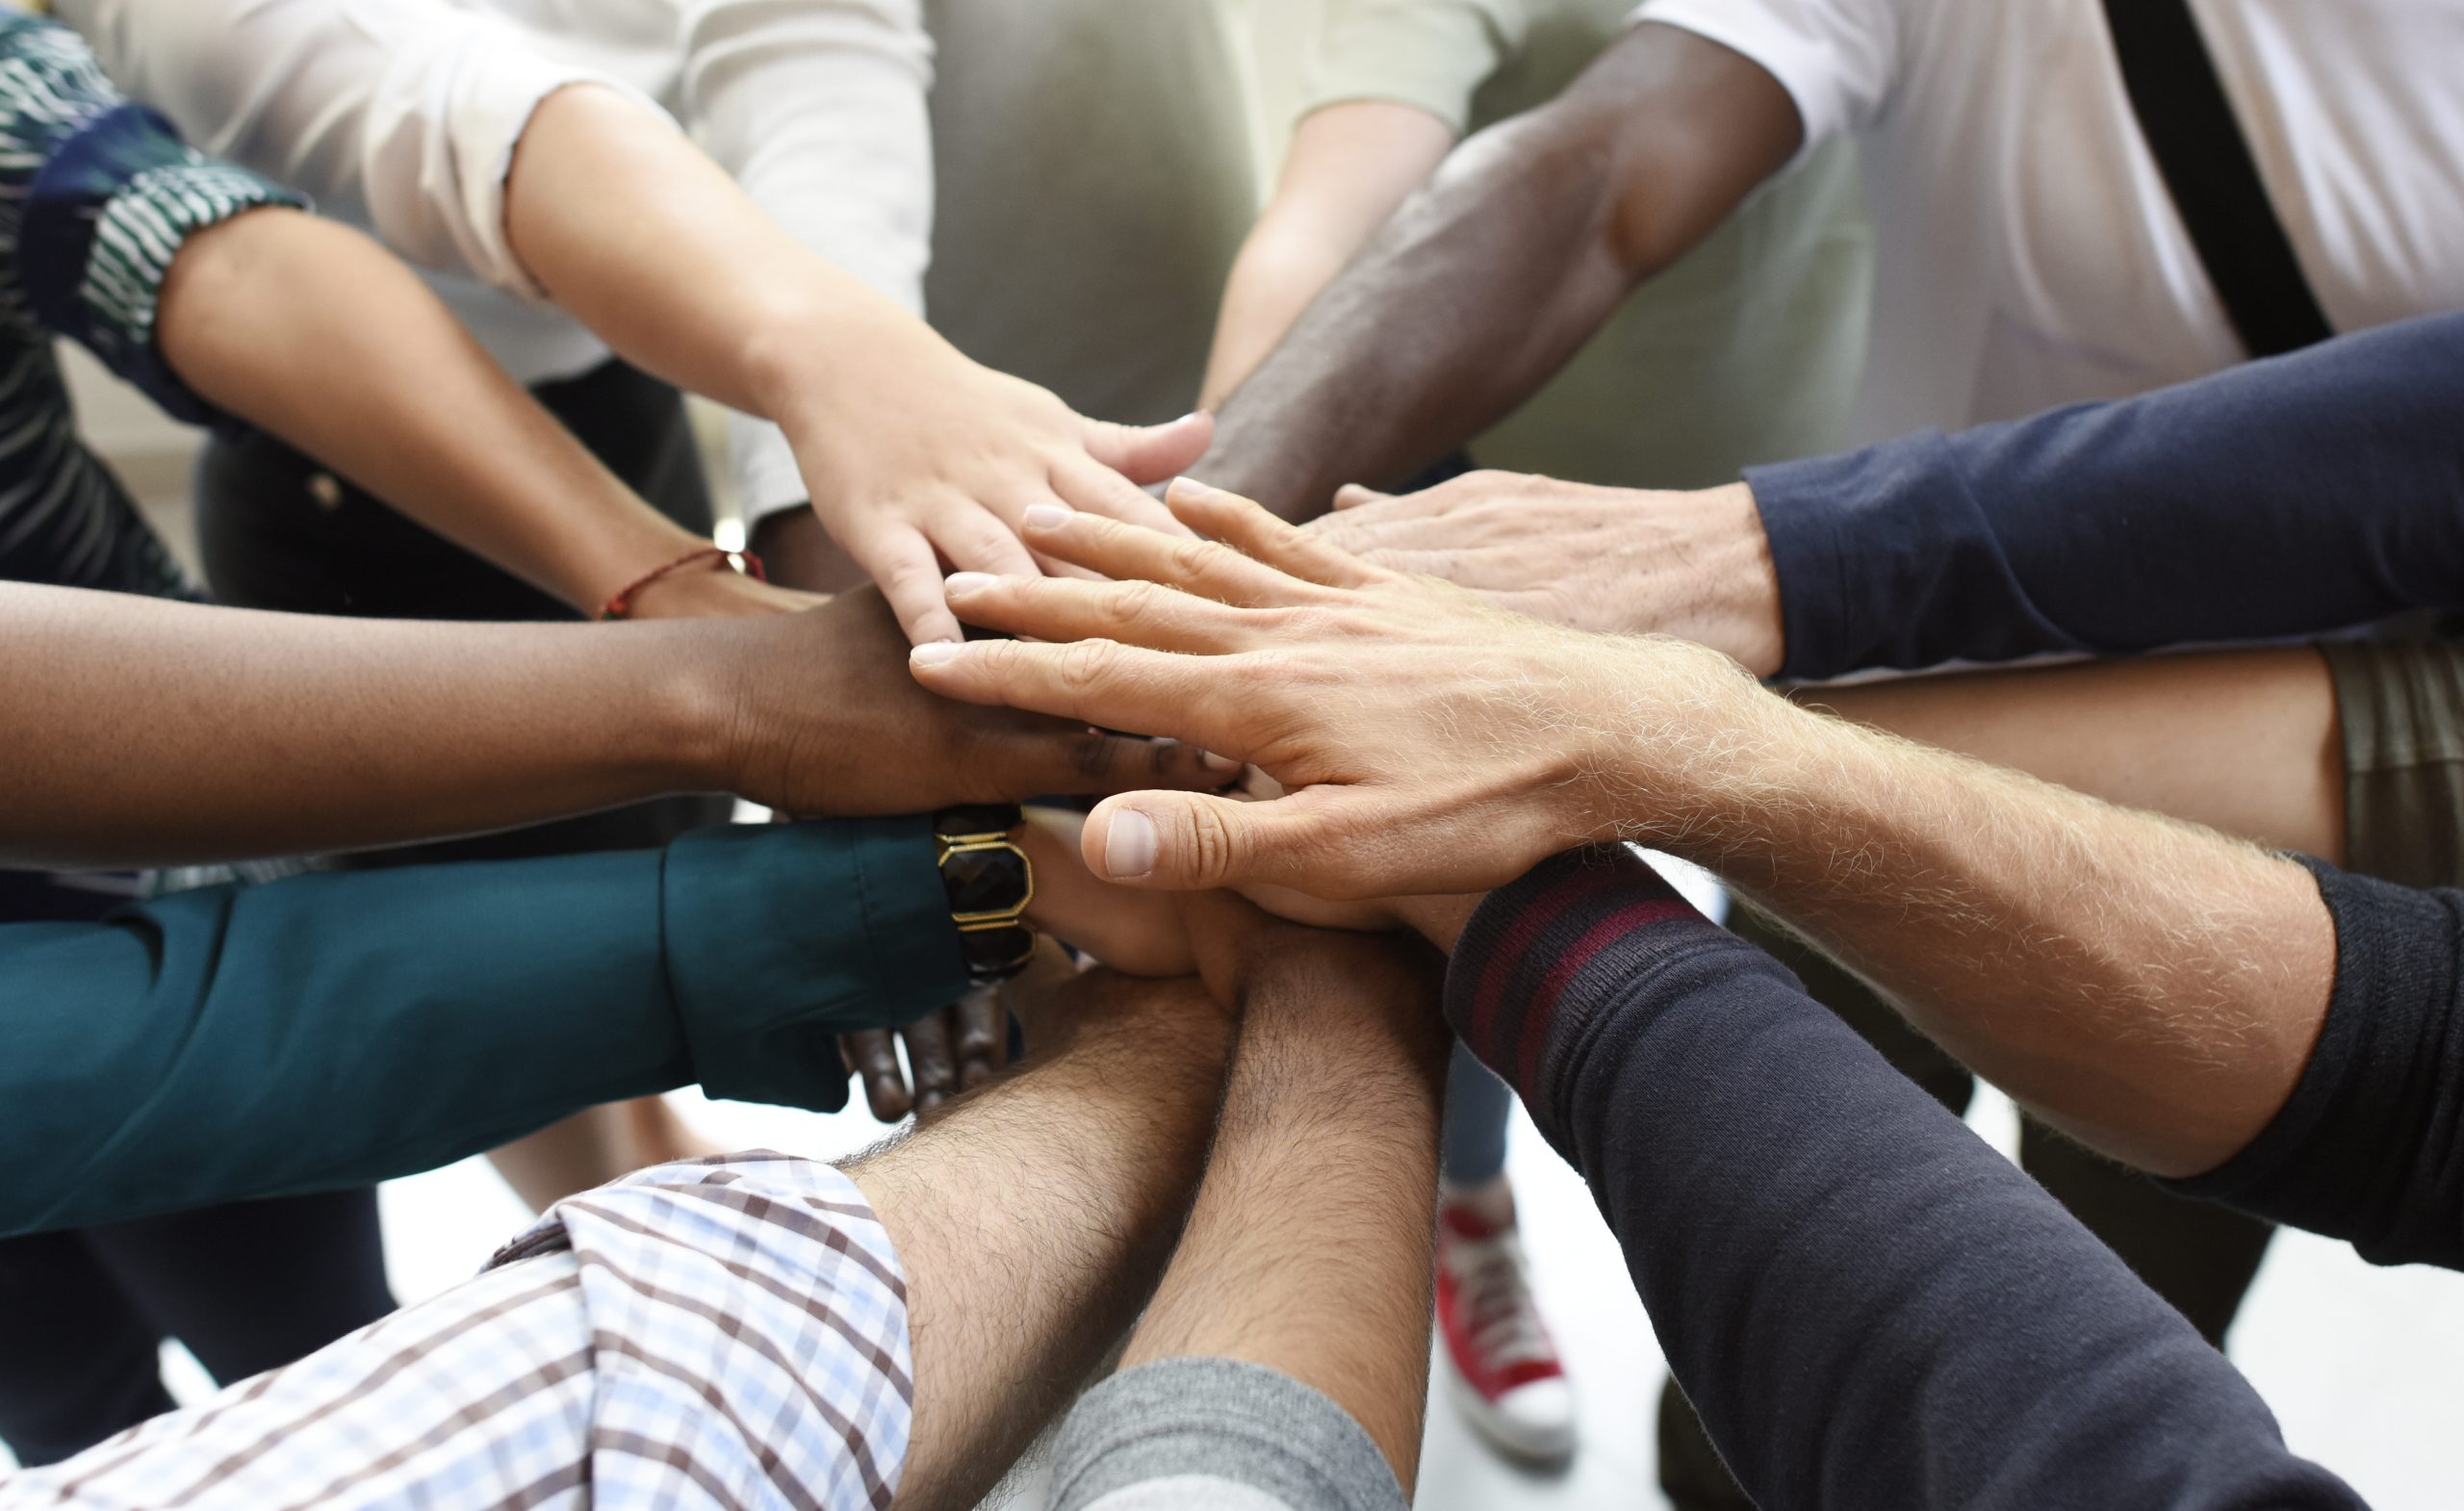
(1032, 1216)
(312, 332)
(644, 239)
(1308, 1249)
(2150, 987)
(1488, 280)
(147, 733)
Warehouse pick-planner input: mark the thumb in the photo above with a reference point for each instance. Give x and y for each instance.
(1151, 453)
(1351, 495)
(1189, 841)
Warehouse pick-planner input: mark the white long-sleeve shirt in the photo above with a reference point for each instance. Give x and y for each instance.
(403, 115)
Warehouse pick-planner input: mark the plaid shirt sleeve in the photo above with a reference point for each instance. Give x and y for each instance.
(717, 1333)
(96, 197)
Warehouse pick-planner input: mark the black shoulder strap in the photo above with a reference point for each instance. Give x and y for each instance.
(2214, 182)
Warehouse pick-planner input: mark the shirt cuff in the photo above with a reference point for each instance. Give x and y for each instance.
(1433, 57)
(105, 218)
(1540, 959)
(2351, 1148)
(1863, 546)
(781, 938)
(494, 93)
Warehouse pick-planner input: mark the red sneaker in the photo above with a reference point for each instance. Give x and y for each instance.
(1502, 1365)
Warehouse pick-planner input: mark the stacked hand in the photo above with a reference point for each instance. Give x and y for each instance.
(1615, 560)
(811, 718)
(916, 456)
(1428, 741)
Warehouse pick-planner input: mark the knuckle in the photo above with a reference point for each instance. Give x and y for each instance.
(1189, 557)
(1087, 664)
(1214, 845)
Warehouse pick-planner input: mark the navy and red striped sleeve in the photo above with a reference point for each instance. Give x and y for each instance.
(1869, 1307)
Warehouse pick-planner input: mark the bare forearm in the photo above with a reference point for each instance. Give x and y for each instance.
(1308, 1250)
(2241, 741)
(1032, 1217)
(312, 332)
(2150, 987)
(629, 227)
(1484, 283)
(1348, 166)
(144, 732)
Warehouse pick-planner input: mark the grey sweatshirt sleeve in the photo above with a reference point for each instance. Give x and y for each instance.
(1216, 1435)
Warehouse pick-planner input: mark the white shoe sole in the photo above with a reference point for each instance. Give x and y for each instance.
(1537, 1445)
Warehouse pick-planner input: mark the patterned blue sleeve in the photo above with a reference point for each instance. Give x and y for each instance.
(96, 196)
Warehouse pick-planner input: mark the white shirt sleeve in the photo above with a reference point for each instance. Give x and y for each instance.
(1837, 59)
(818, 108)
(400, 114)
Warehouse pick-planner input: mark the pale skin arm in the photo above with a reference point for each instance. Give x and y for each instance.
(914, 454)
(313, 332)
(2151, 988)
(1349, 165)
(1489, 279)
(283, 734)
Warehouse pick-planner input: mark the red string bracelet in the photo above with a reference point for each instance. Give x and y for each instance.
(621, 607)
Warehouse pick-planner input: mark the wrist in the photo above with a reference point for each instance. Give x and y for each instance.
(802, 356)
(1731, 580)
(692, 715)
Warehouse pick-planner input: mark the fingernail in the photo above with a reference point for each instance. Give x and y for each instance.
(967, 581)
(1129, 846)
(934, 652)
(1220, 765)
(1046, 517)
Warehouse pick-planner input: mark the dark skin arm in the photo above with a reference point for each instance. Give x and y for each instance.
(282, 733)
(1489, 279)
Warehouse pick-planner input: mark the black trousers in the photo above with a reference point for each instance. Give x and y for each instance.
(254, 1285)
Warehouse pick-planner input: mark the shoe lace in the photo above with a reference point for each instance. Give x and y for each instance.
(1500, 1318)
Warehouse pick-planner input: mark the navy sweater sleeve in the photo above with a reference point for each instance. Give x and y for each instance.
(2371, 1146)
(2305, 493)
(1869, 1307)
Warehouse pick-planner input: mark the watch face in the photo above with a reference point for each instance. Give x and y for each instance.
(993, 954)
(991, 880)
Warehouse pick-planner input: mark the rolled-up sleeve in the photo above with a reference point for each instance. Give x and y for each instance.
(400, 114)
(101, 196)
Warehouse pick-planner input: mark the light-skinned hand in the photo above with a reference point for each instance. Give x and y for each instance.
(1695, 564)
(815, 719)
(918, 457)
(1428, 741)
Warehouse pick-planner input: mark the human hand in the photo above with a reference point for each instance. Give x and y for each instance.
(812, 717)
(1353, 995)
(916, 455)
(1696, 565)
(952, 1050)
(1430, 742)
